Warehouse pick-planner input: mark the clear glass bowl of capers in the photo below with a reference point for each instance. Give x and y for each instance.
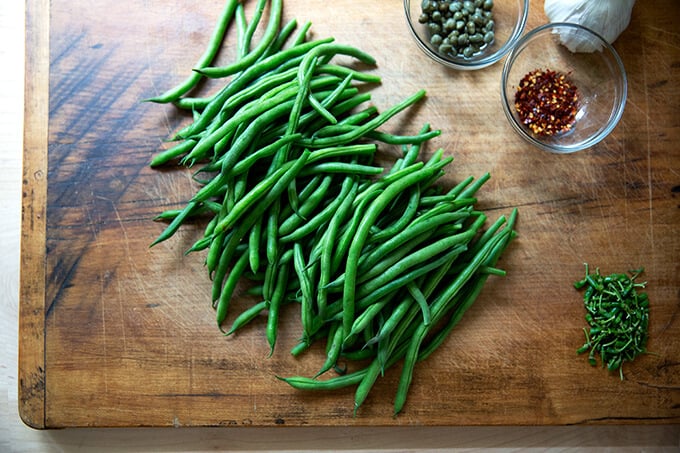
(466, 34)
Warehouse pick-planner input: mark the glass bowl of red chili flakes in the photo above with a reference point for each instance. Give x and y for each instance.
(564, 87)
(466, 34)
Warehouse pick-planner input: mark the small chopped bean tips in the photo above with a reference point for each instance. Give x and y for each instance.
(617, 315)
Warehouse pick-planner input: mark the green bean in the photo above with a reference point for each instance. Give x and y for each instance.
(362, 321)
(306, 293)
(288, 172)
(406, 217)
(349, 230)
(326, 263)
(293, 207)
(385, 137)
(382, 118)
(321, 110)
(342, 168)
(288, 225)
(490, 249)
(264, 113)
(321, 107)
(283, 36)
(362, 233)
(254, 240)
(284, 59)
(331, 49)
(392, 321)
(176, 222)
(245, 203)
(203, 208)
(349, 73)
(475, 186)
(208, 56)
(322, 217)
(251, 27)
(371, 188)
(249, 160)
(172, 153)
(376, 261)
(364, 387)
(272, 231)
(275, 303)
(241, 33)
(265, 87)
(368, 293)
(301, 35)
(333, 349)
(248, 60)
(305, 87)
(376, 264)
(334, 383)
(419, 297)
(362, 149)
(230, 286)
(247, 316)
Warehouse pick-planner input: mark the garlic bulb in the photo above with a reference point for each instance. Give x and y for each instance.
(608, 18)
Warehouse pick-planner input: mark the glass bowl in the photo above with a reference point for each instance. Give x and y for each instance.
(448, 48)
(588, 63)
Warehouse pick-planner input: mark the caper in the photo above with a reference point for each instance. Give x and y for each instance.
(428, 6)
(458, 27)
(434, 28)
(470, 27)
(445, 48)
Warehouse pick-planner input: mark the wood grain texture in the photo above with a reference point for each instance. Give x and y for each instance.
(129, 336)
(33, 218)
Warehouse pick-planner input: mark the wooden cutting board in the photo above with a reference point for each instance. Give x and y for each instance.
(114, 333)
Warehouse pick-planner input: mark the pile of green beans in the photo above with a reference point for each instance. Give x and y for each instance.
(381, 263)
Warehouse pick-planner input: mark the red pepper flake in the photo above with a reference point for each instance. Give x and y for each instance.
(547, 102)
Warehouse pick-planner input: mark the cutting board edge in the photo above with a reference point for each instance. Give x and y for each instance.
(31, 354)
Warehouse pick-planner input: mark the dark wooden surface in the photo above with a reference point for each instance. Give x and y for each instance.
(114, 333)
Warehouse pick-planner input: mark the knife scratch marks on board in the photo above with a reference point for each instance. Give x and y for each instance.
(649, 152)
(102, 303)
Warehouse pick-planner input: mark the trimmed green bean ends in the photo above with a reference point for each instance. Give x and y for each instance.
(458, 28)
(617, 316)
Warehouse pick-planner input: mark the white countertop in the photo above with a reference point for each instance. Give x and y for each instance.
(17, 437)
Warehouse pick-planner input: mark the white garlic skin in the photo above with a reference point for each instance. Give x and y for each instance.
(608, 18)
